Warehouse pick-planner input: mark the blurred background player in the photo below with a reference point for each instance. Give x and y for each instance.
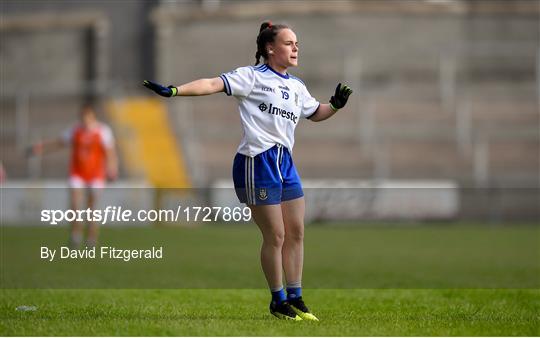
(93, 162)
(271, 103)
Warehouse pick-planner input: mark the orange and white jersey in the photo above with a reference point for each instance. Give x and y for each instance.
(89, 150)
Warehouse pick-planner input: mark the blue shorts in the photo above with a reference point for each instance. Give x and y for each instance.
(268, 178)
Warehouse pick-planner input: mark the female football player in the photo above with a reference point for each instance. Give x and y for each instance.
(93, 161)
(271, 104)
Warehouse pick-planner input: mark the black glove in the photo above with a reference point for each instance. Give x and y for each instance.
(339, 100)
(161, 90)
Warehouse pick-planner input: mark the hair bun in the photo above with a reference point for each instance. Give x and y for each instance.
(265, 25)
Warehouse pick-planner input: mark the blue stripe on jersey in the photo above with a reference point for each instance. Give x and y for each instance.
(297, 79)
(286, 76)
(227, 85)
(310, 115)
(261, 69)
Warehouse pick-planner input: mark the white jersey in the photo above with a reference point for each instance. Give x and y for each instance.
(104, 131)
(271, 105)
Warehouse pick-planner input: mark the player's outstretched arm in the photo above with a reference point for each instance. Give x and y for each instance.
(338, 101)
(194, 88)
(41, 147)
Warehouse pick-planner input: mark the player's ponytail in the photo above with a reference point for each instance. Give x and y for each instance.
(267, 34)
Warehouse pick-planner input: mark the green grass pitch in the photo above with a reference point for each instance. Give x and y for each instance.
(441, 279)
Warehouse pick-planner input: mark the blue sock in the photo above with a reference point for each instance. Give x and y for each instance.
(278, 296)
(294, 292)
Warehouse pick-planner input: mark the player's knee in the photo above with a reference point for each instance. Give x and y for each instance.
(276, 239)
(295, 233)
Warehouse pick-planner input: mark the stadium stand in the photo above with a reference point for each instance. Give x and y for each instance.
(443, 90)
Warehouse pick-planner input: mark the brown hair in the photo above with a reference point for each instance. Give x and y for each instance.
(267, 34)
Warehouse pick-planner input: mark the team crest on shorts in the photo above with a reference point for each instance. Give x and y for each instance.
(263, 194)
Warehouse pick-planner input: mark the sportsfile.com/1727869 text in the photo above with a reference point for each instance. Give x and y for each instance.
(120, 214)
